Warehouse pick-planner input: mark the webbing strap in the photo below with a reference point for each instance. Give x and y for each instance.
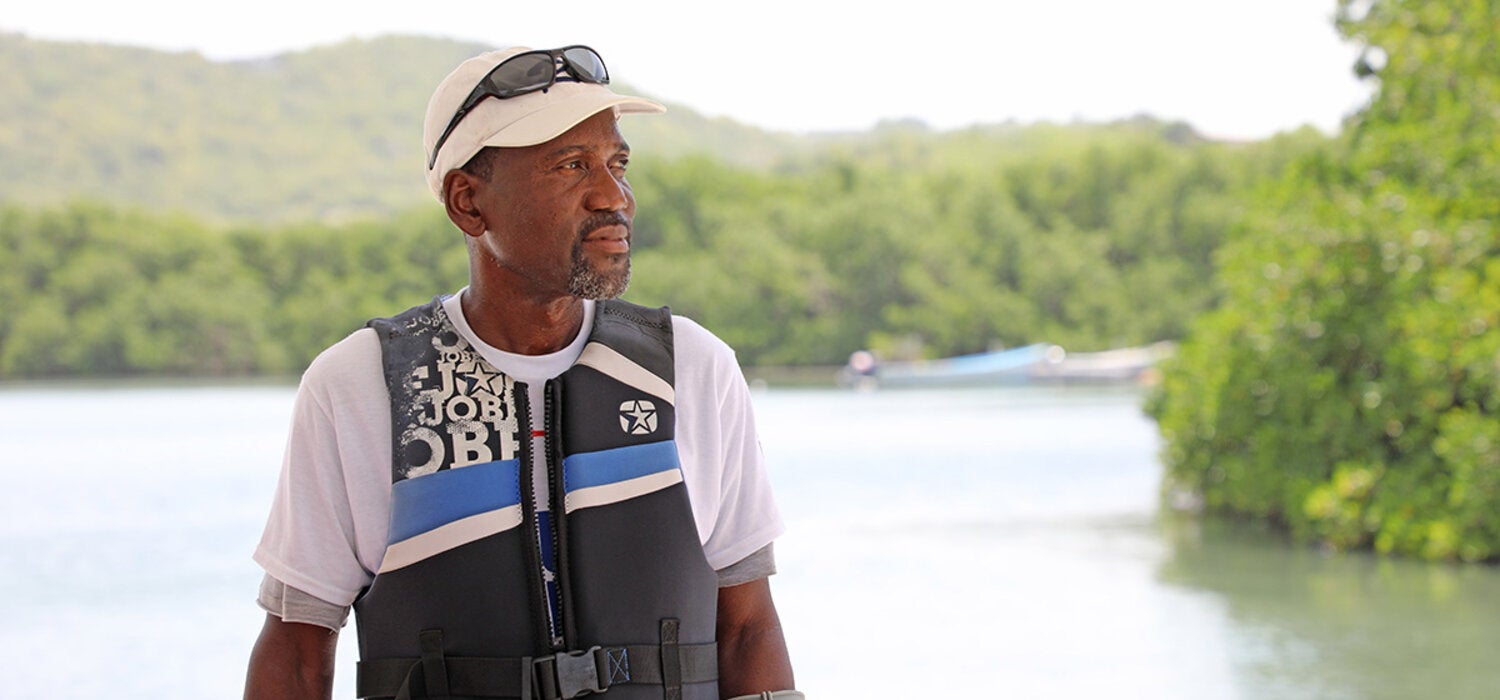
(699, 663)
(400, 678)
(434, 670)
(671, 663)
(635, 664)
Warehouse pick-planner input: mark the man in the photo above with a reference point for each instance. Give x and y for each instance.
(527, 489)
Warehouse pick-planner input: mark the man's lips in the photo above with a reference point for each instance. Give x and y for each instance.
(608, 232)
(612, 239)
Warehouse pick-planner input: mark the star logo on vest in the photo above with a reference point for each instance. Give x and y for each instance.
(638, 417)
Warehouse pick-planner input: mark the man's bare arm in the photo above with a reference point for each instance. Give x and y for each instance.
(291, 661)
(752, 649)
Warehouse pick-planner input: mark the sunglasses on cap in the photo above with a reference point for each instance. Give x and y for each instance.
(525, 73)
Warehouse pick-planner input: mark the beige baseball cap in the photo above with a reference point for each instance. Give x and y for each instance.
(523, 120)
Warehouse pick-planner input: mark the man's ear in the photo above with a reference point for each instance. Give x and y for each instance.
(459, 190)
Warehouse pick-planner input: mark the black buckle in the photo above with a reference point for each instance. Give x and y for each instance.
(570, 674)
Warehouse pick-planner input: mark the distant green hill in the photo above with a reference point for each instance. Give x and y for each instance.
(326, 134)
(299, 177)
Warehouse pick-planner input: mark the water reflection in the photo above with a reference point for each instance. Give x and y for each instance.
(1311, 624)
(941, 544)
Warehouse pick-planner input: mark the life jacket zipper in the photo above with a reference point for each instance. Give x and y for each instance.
(566, 630)
(535, 566)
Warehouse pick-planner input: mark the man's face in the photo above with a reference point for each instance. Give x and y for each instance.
(558, 214)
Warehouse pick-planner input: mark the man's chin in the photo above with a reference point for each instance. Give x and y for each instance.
(593, 285)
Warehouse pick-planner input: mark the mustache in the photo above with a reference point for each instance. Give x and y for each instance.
(602, 219)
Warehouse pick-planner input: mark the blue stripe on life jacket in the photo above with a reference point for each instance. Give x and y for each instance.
(425, 502)
(587, 469)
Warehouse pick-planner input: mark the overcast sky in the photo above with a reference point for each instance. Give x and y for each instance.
(1231, 68)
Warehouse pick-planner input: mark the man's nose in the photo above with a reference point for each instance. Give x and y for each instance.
(608, 191)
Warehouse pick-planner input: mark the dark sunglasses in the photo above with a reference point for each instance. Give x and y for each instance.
(526, 73)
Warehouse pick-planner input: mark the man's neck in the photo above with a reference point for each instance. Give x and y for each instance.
(521, 325)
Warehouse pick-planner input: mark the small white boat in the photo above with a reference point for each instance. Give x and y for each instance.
(1124, 365)
(1012, 365)
(1037, 363)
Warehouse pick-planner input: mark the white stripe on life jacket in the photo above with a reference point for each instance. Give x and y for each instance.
(621, 490)
(455, 534)
(606, 360)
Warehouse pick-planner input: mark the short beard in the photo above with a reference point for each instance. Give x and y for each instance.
(585, 282)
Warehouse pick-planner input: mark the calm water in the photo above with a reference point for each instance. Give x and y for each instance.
(978, 543)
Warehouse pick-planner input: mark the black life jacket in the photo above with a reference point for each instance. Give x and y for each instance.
(462, 607)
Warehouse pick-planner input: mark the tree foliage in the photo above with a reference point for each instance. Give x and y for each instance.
(909, 242)
(938, 244)
(1349, 385)
(93, 290)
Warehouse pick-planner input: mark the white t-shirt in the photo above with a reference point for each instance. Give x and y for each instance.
(329, 520)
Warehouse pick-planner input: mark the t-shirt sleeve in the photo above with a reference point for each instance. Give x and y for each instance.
(328, 519)
(292, 605)
(758, 565)
(723, 465)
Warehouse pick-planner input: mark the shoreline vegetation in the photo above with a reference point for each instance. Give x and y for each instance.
(917, 245)
(1333, 298)
(1347, 386)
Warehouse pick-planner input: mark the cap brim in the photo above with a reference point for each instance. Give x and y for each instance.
(555, 119)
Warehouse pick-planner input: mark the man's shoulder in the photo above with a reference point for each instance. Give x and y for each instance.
(704, 363)
(694, 341)
(359, 353)
(411, 321)
(353, 362)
